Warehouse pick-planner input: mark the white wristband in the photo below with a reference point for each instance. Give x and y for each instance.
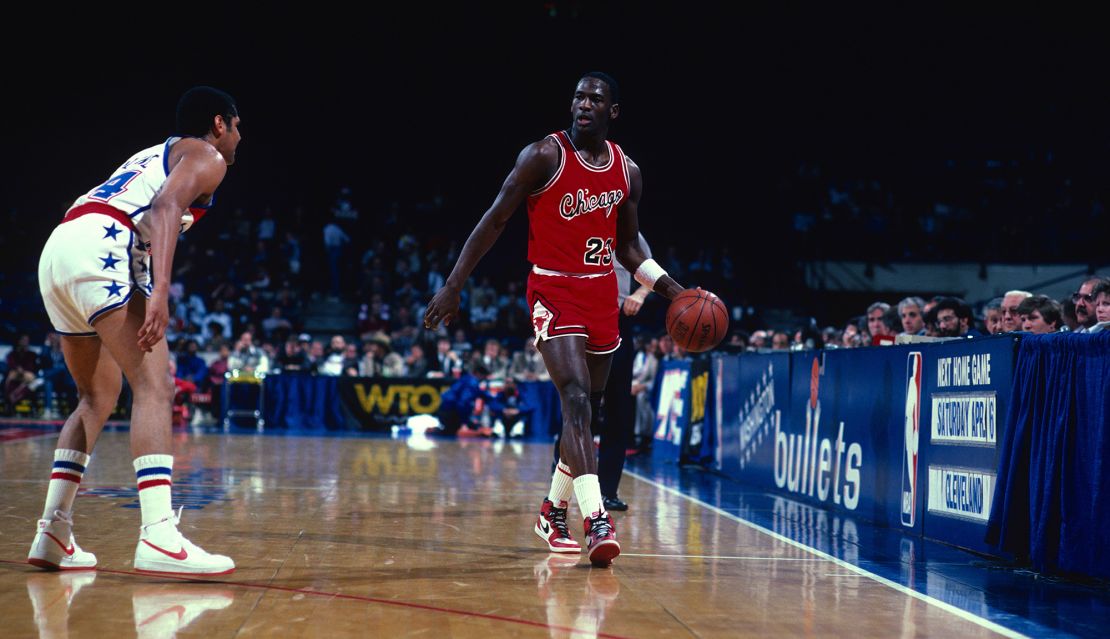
(649, 273)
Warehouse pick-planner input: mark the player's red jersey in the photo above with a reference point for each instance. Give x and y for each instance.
(572, 220)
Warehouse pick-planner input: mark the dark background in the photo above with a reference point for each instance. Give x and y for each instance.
(720, 104)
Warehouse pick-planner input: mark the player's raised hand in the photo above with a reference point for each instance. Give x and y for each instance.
(157, 319)
(443, 307)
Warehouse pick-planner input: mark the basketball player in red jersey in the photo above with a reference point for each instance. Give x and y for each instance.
(583, 194)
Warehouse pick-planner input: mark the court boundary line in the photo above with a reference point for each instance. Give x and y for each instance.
(920, 596)
(339, 595)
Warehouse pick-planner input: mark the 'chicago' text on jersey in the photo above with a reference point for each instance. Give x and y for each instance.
(572, 206)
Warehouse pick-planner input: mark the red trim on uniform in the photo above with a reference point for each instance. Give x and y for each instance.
(101, 208)
(154, 482)
(197, 213)
(73, 478)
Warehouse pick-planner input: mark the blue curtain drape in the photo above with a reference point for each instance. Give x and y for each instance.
(1052, 497)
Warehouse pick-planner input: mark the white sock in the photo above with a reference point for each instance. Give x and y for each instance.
(65, 479)
(588, 491)
(153, 473)
(562, 485)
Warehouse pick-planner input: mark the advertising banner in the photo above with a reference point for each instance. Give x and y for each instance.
(966, 395)
(672, 413)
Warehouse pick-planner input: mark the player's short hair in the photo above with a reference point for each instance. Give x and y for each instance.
(614, 89)
(197, 106)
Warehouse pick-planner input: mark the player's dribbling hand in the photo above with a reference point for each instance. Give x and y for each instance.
(443, 307)
(154, 325)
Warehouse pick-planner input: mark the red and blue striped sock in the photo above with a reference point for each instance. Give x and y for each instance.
(153, 473)
(65, 479)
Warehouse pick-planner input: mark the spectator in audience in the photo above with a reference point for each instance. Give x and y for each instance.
(447, 362)
(22, 369)
(509, 411)
(876, 324)
(54, 374)
(760, 339)
(217, 323)
(247, 357)
(190, 365)
(1102, 307)
(182, 396)
(276, 328)
(645, 364)
(1067, 315)
(216, 371)
(1011, 320)
(351, 360)
(527, 364)
(416, 364)
(850, 337)
(953, 317)
(316, 355)
(992, 316)
(335, 241)
(1040, 314)
(461, 344)
(1085, 303)
(494, 360)
(780, 341)
(483, 313)
(332, 361)
(911, 312)
(403, 329)
(294, 356)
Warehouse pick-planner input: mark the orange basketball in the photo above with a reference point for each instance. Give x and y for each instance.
(697, 320)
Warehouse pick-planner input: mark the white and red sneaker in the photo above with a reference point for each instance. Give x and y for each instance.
(54, 547)
(162, 549)
(551, 526)
(601, 539)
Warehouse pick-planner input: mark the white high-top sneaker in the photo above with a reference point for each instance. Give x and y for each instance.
(163, 549)
(54, 547)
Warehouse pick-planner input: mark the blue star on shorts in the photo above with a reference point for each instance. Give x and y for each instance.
(111, 231)
(109, 262)
(113, 289)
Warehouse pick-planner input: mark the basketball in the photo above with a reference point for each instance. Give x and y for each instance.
(697, 320)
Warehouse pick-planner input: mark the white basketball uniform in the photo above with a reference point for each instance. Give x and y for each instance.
(97, 258)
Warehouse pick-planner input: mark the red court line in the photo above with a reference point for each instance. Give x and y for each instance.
(19, 434)
(337, 595)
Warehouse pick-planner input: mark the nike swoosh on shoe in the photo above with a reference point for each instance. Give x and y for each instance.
(68, 551)
(180, 555)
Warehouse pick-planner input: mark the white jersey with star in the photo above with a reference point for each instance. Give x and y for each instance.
(132, 188)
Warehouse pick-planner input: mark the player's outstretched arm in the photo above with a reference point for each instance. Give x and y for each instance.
(199, 170)
(534, 166)
(628, 244)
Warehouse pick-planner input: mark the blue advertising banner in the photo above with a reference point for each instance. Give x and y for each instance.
(751, 396)
(844, 443)
(672, 412)
(967, 393)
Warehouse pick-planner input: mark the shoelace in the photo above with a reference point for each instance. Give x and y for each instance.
(559, 521)
(176, 517)
(600, 527)
(63, 517)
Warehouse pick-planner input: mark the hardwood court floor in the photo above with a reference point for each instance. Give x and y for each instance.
(375, 537)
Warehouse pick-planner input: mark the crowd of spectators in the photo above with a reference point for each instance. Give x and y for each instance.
(245, 310)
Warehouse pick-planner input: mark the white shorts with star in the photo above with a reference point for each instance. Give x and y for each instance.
(89, 266)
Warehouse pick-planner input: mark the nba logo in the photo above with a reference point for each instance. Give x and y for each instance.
(912, 434)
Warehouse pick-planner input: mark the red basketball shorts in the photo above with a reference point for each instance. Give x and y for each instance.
(563, 305)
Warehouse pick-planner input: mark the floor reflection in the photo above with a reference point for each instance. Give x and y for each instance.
(576, 596)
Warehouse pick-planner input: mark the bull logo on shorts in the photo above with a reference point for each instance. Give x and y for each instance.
(541, 319)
